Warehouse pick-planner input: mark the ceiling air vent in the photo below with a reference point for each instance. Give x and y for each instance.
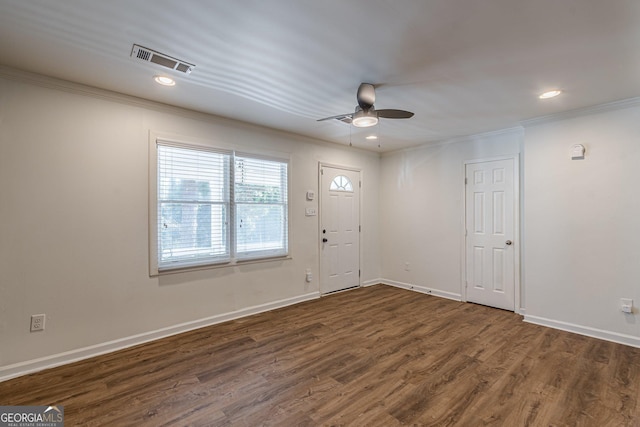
(150, 55)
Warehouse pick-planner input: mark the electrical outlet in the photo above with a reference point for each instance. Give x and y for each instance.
(37, 322)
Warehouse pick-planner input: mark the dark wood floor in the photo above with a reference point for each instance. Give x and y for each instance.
(377, 356)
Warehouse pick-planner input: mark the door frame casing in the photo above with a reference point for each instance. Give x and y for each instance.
(352, 169)
(516, 225)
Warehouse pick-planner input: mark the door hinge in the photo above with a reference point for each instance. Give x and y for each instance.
(358, 273)
(360, 229)
(360, 184)
(465, 181)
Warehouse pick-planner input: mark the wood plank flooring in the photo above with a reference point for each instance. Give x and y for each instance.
(376, 356)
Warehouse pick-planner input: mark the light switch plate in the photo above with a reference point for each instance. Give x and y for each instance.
(626, 305)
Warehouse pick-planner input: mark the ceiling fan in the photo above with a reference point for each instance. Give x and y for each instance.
(365, 115)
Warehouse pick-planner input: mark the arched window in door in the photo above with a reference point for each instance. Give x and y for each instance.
(341, 183)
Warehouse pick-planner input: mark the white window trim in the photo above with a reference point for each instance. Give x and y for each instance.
(154, 269)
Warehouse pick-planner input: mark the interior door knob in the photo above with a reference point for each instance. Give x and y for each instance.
(509, 242)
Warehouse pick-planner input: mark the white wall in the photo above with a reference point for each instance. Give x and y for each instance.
(422, 210)
(582, 223)
(579, 219)
(74, 222)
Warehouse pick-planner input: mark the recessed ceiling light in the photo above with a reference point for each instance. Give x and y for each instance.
(371, 137)
(164, 80)
(550, 94)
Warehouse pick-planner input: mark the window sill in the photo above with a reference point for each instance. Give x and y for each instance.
(227, 264)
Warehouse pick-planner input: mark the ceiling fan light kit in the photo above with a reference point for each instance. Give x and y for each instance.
(365, 119)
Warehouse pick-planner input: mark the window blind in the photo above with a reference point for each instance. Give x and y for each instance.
(216, 206)
(261, 206)
(193, 197)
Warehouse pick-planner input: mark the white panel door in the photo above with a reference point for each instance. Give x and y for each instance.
(339, 229)
(490, 233)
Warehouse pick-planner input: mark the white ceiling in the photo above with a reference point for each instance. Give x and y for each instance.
(462, 66)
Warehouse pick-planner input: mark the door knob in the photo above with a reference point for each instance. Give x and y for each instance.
(509, 242)
(325, 240)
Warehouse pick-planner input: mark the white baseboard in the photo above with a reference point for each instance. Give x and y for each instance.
(35, 365)
(629, 340)
(422, 289)
(372, 282)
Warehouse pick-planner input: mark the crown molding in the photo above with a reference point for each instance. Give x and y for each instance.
(514, 130)
(48, 82)
(35, 79)
(523, 124)
(584, 111)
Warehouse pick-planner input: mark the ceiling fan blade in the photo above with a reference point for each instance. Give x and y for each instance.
(366, 96)
(338, 117)
(394, 114)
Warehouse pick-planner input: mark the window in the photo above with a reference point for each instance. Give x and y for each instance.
(214, 206)
(341, 183)
(193, 206)
(260, 201)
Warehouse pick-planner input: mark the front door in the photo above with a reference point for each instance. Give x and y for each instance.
(490, 223)
(339, 229)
